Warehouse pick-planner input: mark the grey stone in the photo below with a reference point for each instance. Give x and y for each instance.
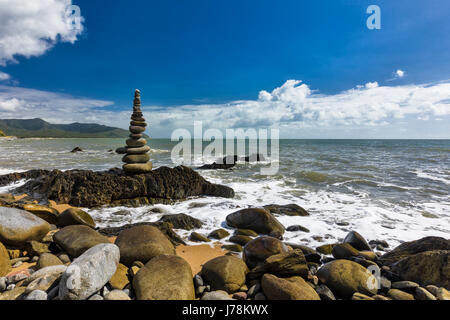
(89, 272)
(37, 295)
(216, 295)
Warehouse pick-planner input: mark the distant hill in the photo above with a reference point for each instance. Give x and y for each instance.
(2, 134)
(38, 128)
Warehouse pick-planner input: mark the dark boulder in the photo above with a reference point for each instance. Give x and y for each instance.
(413, 247)
(257, 219)
(259, 249)
(85, 188)
(287, 210)
(182, 221)
(426, 268)
(357, 241)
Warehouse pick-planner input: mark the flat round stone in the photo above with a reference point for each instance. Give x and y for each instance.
(138, 167)
(136, 158)
(138, 123)
(137, 118)
(140, 150)
(136, 135)
(136, 143)
(136, 129)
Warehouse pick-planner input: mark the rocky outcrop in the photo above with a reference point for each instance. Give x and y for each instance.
(182, 221)
(426, 268)
(256, 219)
(229, 162)
(85, 188)
(166, 277)
(413, 247)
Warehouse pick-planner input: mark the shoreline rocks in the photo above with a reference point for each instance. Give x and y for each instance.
(88, 189)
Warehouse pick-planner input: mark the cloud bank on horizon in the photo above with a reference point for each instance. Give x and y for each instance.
(31, 28)
(292, 107)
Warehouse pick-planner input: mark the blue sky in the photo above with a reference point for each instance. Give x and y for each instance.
(191, 57)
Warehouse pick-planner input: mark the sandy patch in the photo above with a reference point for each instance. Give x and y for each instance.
(196, 256)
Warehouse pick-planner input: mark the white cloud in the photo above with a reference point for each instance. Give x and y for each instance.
(295, 105)
(294, 108)
(23, 103)
(4, 76)
(399, 73)
(30, 28)
(10, 105)
(371, 85)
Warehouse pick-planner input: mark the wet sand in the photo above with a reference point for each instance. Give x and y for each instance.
(196, 256)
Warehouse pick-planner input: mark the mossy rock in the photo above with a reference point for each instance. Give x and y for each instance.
(293, 288)
(219, 234)
(345, 277)
(74, 216)
(226, 273)
(142, 243)
(197, 237)
(242, 240)
(165, 277)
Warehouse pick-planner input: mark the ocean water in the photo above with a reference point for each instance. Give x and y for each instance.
(394, 190)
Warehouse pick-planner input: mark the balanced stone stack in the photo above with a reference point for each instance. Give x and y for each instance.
(137, 158)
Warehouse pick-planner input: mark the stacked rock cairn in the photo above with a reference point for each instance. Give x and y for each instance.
(137, 158)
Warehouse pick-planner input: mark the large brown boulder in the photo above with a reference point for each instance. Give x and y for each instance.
(165, 277)
(5, 262)
(225, 273)
(344, 251)
(142, 243)
(292, 263)
(75, 216)
(46, 213)
(426, 268)
(17, 227)
(345, 277)
(256, 219)
(77, 239)
(85, 188)
(258, 250)
(294, 288)
(413, 247)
